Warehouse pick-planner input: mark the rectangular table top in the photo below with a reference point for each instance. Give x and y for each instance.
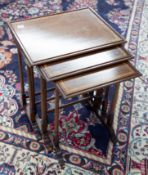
(55, 37)
(90, 81)
(68, 67)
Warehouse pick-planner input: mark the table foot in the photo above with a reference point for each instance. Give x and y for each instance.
(47, 142)
(59, 154)
(59, 157)
(36, 130)
(56, 146)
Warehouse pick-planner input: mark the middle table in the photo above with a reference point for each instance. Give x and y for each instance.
(83, 74)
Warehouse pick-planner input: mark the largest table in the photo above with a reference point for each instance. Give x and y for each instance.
(57, 37)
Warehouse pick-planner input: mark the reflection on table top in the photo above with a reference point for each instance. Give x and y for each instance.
(54, 37)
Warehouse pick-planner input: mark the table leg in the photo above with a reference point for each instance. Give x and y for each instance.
(105, 116)
(56, 118)
(43, 106)
(111, 114)
(114, 102)
(22, 91)
(104, 110)
(99, 98)
(44, 124)
(31, 92)
(59, 153)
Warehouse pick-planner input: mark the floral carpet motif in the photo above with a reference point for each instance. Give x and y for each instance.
(85, 144)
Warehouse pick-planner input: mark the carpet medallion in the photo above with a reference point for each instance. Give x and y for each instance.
(86, 148)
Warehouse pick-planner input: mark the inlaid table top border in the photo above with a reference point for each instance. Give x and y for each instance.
(43, 68)
(129, 75)
(84, 51)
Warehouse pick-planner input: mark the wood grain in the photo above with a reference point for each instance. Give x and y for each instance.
(80, 64)
(89, 81)
(58, 36)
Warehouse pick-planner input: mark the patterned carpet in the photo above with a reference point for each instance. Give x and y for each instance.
(85, 144)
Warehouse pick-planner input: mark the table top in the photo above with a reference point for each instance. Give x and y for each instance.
(96, 79)
(79, 64)
(62, 35)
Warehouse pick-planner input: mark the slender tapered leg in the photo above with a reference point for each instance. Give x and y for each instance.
(59, 154)
(105, 116)
(56, 117)
(47, 139)
(22, 91)
(31, 92)
(104, 110)
(111, 114)
(114, 102)
(43, 107)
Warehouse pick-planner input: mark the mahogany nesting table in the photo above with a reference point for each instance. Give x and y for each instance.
(76, 37)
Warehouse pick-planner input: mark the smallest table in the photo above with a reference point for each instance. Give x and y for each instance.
(84, 75)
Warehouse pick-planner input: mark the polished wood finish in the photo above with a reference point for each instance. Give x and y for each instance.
(79, 64)
(93, 80)
(63, 35)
